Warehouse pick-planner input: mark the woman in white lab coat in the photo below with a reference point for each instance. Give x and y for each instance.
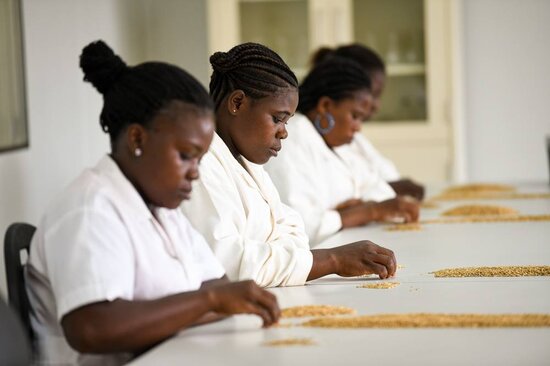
(114, 266)
(328, 190)
(360, 146)
(236, 206)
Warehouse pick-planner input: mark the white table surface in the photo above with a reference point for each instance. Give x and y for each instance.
(238, 340)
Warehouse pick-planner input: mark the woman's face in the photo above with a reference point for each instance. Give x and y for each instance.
(259, 125)
(378, 80)
(348, 114)
(171, 150)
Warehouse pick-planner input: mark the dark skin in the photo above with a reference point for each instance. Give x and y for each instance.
(402, 187)
(348, 114)
(252, 128)
(172, 147)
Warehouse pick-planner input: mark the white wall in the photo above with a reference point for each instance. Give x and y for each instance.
(65, 136)
(63, 110)
(507, 89)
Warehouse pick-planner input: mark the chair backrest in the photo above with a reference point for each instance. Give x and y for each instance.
(18, 239)
(15, 348)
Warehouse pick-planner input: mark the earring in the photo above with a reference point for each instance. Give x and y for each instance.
(137, 152)
(234, 111)
(324, 130)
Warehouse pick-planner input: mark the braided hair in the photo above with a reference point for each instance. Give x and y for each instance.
(369, 60)
(136, 94)
(252, 68)
(337, 78)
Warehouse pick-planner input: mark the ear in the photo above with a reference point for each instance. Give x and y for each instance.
(136, 138)
(324, 105)
(235, 101)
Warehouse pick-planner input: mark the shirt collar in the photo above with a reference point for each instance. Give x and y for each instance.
(124, 191)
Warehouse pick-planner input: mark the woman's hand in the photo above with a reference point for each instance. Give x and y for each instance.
(406, 187)
(356, 259)
(402, 208)
(364, 257)
(245, 297)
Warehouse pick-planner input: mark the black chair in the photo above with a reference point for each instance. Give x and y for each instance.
(15, 348)
(18, 239)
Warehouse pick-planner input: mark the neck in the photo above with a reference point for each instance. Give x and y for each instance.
(223, 120)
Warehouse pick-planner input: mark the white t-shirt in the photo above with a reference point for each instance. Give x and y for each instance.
(313, 179)
(98, 241)
(238, 210)
(370, 158)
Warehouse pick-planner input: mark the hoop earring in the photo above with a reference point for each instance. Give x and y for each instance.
(324, 130)
(137, 152)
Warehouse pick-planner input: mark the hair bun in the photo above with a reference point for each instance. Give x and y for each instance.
(101, 66)
(321, 55)
(221, 62)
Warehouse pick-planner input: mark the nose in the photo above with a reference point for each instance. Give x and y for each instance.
(193, 172)
(282, 133)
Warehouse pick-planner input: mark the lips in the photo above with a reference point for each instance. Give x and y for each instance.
(275, 150)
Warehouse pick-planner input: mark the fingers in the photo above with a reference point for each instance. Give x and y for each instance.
(386, 261)
(268, 302)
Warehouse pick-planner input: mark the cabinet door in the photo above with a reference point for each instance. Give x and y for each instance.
(413, 127)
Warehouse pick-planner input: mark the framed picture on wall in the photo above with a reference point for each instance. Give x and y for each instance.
(13, 110)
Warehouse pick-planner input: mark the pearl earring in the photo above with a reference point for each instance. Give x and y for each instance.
(137, 152)
(234, 111)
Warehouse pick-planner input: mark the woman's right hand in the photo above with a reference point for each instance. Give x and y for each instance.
(401, 208)
(245, 297)
(364, 257)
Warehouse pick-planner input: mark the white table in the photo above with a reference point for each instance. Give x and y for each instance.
(238, 340)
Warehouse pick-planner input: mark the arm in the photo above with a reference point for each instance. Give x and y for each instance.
(400, 207)
(407, 187)
(252, 239)
(125, 326)
(359, 258)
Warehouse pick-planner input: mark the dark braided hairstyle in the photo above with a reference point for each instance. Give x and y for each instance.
(252, 68)
(136, 94)
(369, 60)
(337, 78)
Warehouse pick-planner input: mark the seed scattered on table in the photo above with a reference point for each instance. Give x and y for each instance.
(501, 271)
(405, 227)
(479, 187)
(427, 320)
(315, 310)
(429, 204)
(381, 285)
(481, 219)
(480, 210)
(290, 342)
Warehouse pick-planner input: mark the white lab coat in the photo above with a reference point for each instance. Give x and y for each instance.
(370, 157)
(238, 209)
(312, 179)
(98, 241)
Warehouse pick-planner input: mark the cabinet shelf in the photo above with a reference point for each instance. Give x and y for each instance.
(405, 69)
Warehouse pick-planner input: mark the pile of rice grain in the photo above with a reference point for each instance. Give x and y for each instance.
(479, 188)
(315, 310)
(427, 320)
(405, 227)
(501, 271)
(381, 285)
(480, 210)
(289, 342)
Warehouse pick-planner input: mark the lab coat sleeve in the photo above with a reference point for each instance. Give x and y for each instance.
(299, 183)
(216, 211)
(385, 167)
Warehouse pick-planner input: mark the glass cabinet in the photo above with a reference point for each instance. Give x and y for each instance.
(414, 38)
